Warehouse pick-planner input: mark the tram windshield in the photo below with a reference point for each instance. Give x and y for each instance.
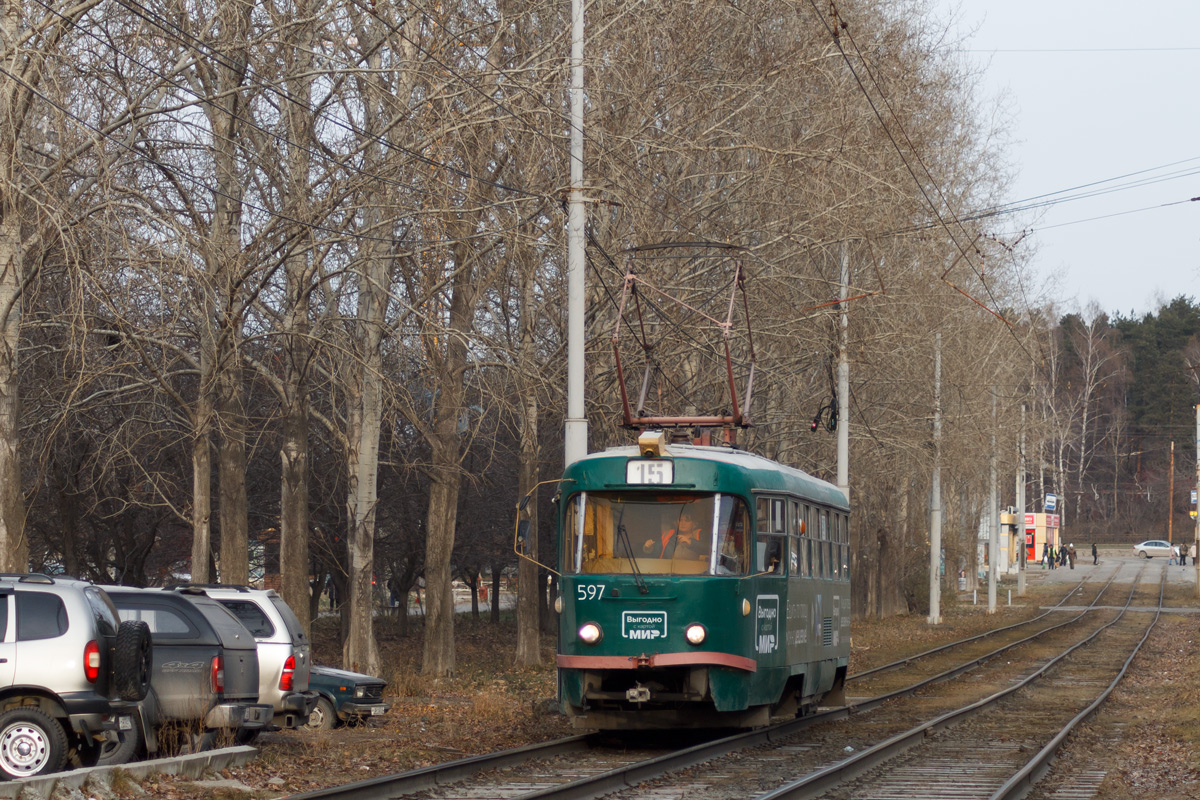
(656, 534)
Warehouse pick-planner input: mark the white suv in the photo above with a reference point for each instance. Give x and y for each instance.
(284, 653)
(71, 672)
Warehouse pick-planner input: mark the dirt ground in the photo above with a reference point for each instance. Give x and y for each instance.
(491, 704)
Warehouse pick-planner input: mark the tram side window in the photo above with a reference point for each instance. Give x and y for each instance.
(794, 541)
(733, 536)
(769, 554)
(845, 523)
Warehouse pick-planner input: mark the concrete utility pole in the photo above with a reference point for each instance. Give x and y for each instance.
(1195, 563)
(993, 519)
(935, 502)
(843, 377)
(575, 444)
(1171, 499)
(1022, 560)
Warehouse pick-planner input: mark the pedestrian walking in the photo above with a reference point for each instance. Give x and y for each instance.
(1045, 553)
(1053, 557)
(1183, 556)
(1062, 556)
(1095, 555)
(1071, 554)
(1174, 559)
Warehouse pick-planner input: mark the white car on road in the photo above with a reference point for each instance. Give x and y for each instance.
(1152, 548)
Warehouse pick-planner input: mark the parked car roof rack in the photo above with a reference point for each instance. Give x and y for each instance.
(179, 587)
(28, 577)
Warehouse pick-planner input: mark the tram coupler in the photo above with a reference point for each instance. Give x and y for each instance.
(638, 694)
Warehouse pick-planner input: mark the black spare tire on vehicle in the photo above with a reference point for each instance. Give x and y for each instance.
(133, 660)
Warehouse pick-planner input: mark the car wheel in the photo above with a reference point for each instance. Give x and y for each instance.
(133, 656)
(125, 748)
(1145, 555)
(31, 743)
(323, 716)
(246, 735)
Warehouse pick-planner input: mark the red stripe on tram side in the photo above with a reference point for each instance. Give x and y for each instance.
(658, 660)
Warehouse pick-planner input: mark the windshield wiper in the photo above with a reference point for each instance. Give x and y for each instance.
(623, 536)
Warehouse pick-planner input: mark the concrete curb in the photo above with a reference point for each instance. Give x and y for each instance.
(193, 765)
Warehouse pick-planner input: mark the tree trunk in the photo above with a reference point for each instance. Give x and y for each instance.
(528, 632)
(14, 550)
(446, 475)
(293, 451)
(497, 572)
(361, 652)
(231, 466)
(438, 657)
(202, 482)
(361, 649)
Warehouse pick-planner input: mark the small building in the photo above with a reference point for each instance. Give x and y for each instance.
(1039, 529)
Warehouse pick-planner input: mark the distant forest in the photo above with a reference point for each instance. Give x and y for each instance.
(1124, 389)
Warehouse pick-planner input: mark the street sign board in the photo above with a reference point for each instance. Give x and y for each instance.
(1051, 502)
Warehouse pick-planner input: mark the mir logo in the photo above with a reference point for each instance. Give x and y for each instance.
(644, 624)
(766, 619)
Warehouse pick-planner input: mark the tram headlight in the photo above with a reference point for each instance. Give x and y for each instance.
(695, 633)
(591, 633)
(745, 607)
(558, 604)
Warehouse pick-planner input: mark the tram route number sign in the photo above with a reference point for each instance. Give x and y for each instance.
(650, 471)
(644, 624)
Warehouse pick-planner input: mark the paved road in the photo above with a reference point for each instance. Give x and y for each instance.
(1126, 564)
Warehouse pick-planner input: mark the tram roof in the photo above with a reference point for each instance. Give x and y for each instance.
(762, 472)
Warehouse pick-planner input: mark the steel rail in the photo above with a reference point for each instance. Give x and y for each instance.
(822, 780)
(624, 777)
(425, 778)
(1024, 780)
(953, 672)
(909, 659)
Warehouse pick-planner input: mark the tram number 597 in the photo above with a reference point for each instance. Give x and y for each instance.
(590, 591)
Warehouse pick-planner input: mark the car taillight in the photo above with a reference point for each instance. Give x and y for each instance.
(218, 674)
(289, 673)
(91, 661)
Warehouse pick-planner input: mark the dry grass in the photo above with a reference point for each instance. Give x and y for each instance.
(491, 704)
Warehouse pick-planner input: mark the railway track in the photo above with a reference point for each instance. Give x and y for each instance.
(766, 761)
(930, 763)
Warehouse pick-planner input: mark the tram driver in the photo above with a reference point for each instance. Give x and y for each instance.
(683, 540)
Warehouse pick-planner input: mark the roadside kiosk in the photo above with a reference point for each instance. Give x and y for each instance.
(1039, 529)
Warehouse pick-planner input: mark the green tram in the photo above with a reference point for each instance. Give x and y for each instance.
(702, 587)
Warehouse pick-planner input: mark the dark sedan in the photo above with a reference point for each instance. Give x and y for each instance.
(344, 697)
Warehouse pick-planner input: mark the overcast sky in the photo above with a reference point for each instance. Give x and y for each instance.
(1101, 90)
